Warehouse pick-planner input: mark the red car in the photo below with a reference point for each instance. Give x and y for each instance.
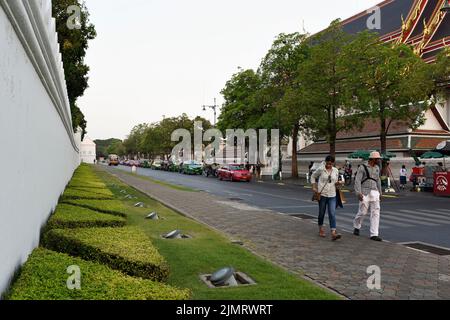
(234, 172)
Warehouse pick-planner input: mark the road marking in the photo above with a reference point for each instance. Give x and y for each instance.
(418, 216)
(438, 217)
(407, 218)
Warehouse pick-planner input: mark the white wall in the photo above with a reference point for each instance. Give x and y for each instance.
(38, 151)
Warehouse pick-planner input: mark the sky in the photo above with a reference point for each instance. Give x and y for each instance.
(161, 58)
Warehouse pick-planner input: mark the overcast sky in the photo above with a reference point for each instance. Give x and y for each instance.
(155, 58)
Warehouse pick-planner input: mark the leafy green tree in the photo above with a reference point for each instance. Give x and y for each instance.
(133, 142)
(327, 85)
(396, 84)
(283, 93)
(73, 47)
(240, 110)
(103, 145)
(117, 148)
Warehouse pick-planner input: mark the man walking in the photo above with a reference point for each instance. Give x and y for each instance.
(368, 189)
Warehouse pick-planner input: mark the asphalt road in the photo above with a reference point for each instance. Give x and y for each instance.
(412, 217)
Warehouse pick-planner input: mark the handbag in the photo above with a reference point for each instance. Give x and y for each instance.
(340, 199)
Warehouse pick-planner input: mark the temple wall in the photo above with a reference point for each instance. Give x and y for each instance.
(39, 151)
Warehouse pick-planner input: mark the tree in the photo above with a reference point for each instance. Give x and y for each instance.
(279, 71)
(155, 139)
(327, 85)
(133, 143)
(103, 145)
(117, 148)
(73, 47)
(240, 110)
(396, 84)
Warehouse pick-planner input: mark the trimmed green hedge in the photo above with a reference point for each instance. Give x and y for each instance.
(103, 191)
(85, 183)
(75, 194)
(126, 249)
(114, 207)
(44, 277)
(69, 217)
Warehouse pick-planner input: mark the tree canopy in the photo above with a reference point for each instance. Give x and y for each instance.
(73, 46)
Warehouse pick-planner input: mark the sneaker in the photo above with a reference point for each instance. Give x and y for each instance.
(378, 239)
(356, 232)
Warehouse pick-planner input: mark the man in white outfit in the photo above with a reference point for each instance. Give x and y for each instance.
(368, 189)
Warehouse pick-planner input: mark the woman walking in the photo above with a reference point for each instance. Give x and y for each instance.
(325, 180)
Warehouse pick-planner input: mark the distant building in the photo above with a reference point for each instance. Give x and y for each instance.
(88, 150)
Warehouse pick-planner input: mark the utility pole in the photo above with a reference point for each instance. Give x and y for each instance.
(214, 107)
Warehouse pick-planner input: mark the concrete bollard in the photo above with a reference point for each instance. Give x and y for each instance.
(133, 169)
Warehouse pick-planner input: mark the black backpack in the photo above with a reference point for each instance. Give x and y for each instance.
(368, 177)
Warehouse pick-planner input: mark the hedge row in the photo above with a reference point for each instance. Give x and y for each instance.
(126, 249)
(78, 194)
(44, 277)
(90, 225)
(70, 217)
(113, 207)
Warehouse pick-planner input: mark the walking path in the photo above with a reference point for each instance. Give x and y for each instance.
(294, 244)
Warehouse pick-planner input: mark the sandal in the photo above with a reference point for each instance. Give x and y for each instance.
(335, 236)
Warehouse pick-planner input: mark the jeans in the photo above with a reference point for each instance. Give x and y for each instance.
(329, 203)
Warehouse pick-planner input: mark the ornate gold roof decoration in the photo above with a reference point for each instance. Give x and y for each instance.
(430, 28)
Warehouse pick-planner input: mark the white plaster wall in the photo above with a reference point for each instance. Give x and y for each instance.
(38, 154)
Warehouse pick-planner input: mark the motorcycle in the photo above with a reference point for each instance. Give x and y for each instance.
(348, 176)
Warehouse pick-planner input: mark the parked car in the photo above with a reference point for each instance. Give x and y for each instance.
(113, 160)
(210, 170)
(234, 172)
(173, 167)
(192, 167)
(165, 165)
(145, 163)
(156, 165)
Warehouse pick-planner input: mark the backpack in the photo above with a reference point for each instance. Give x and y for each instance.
(368, 177)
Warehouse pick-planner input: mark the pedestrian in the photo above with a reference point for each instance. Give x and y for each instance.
(403, 177)
(326, 179)
(258, 170)
(368, 190)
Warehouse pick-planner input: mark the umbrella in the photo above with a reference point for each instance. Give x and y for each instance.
(444, 148)
(434, 155)
(360, 154)
(365, 154)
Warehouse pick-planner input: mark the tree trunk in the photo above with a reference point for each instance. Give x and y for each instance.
(333, 134)
(383, 142)
(383, 136)
(294, 151)
(333, 147)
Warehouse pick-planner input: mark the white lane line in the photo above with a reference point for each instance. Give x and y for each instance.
(429, 214)
(410, 219)
(413, 214)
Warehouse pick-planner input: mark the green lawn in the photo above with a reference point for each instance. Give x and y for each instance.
(206, 252)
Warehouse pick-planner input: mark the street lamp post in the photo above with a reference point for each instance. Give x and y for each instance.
(214, 107)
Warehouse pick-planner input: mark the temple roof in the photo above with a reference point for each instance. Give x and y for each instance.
(420, 23)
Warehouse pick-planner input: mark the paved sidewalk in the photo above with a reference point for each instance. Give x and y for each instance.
(294, 244)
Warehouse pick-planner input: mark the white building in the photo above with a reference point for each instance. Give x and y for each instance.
(88, 151)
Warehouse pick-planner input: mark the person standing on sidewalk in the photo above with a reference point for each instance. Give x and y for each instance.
(326, 179)
(403, 177)
(368, 190)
